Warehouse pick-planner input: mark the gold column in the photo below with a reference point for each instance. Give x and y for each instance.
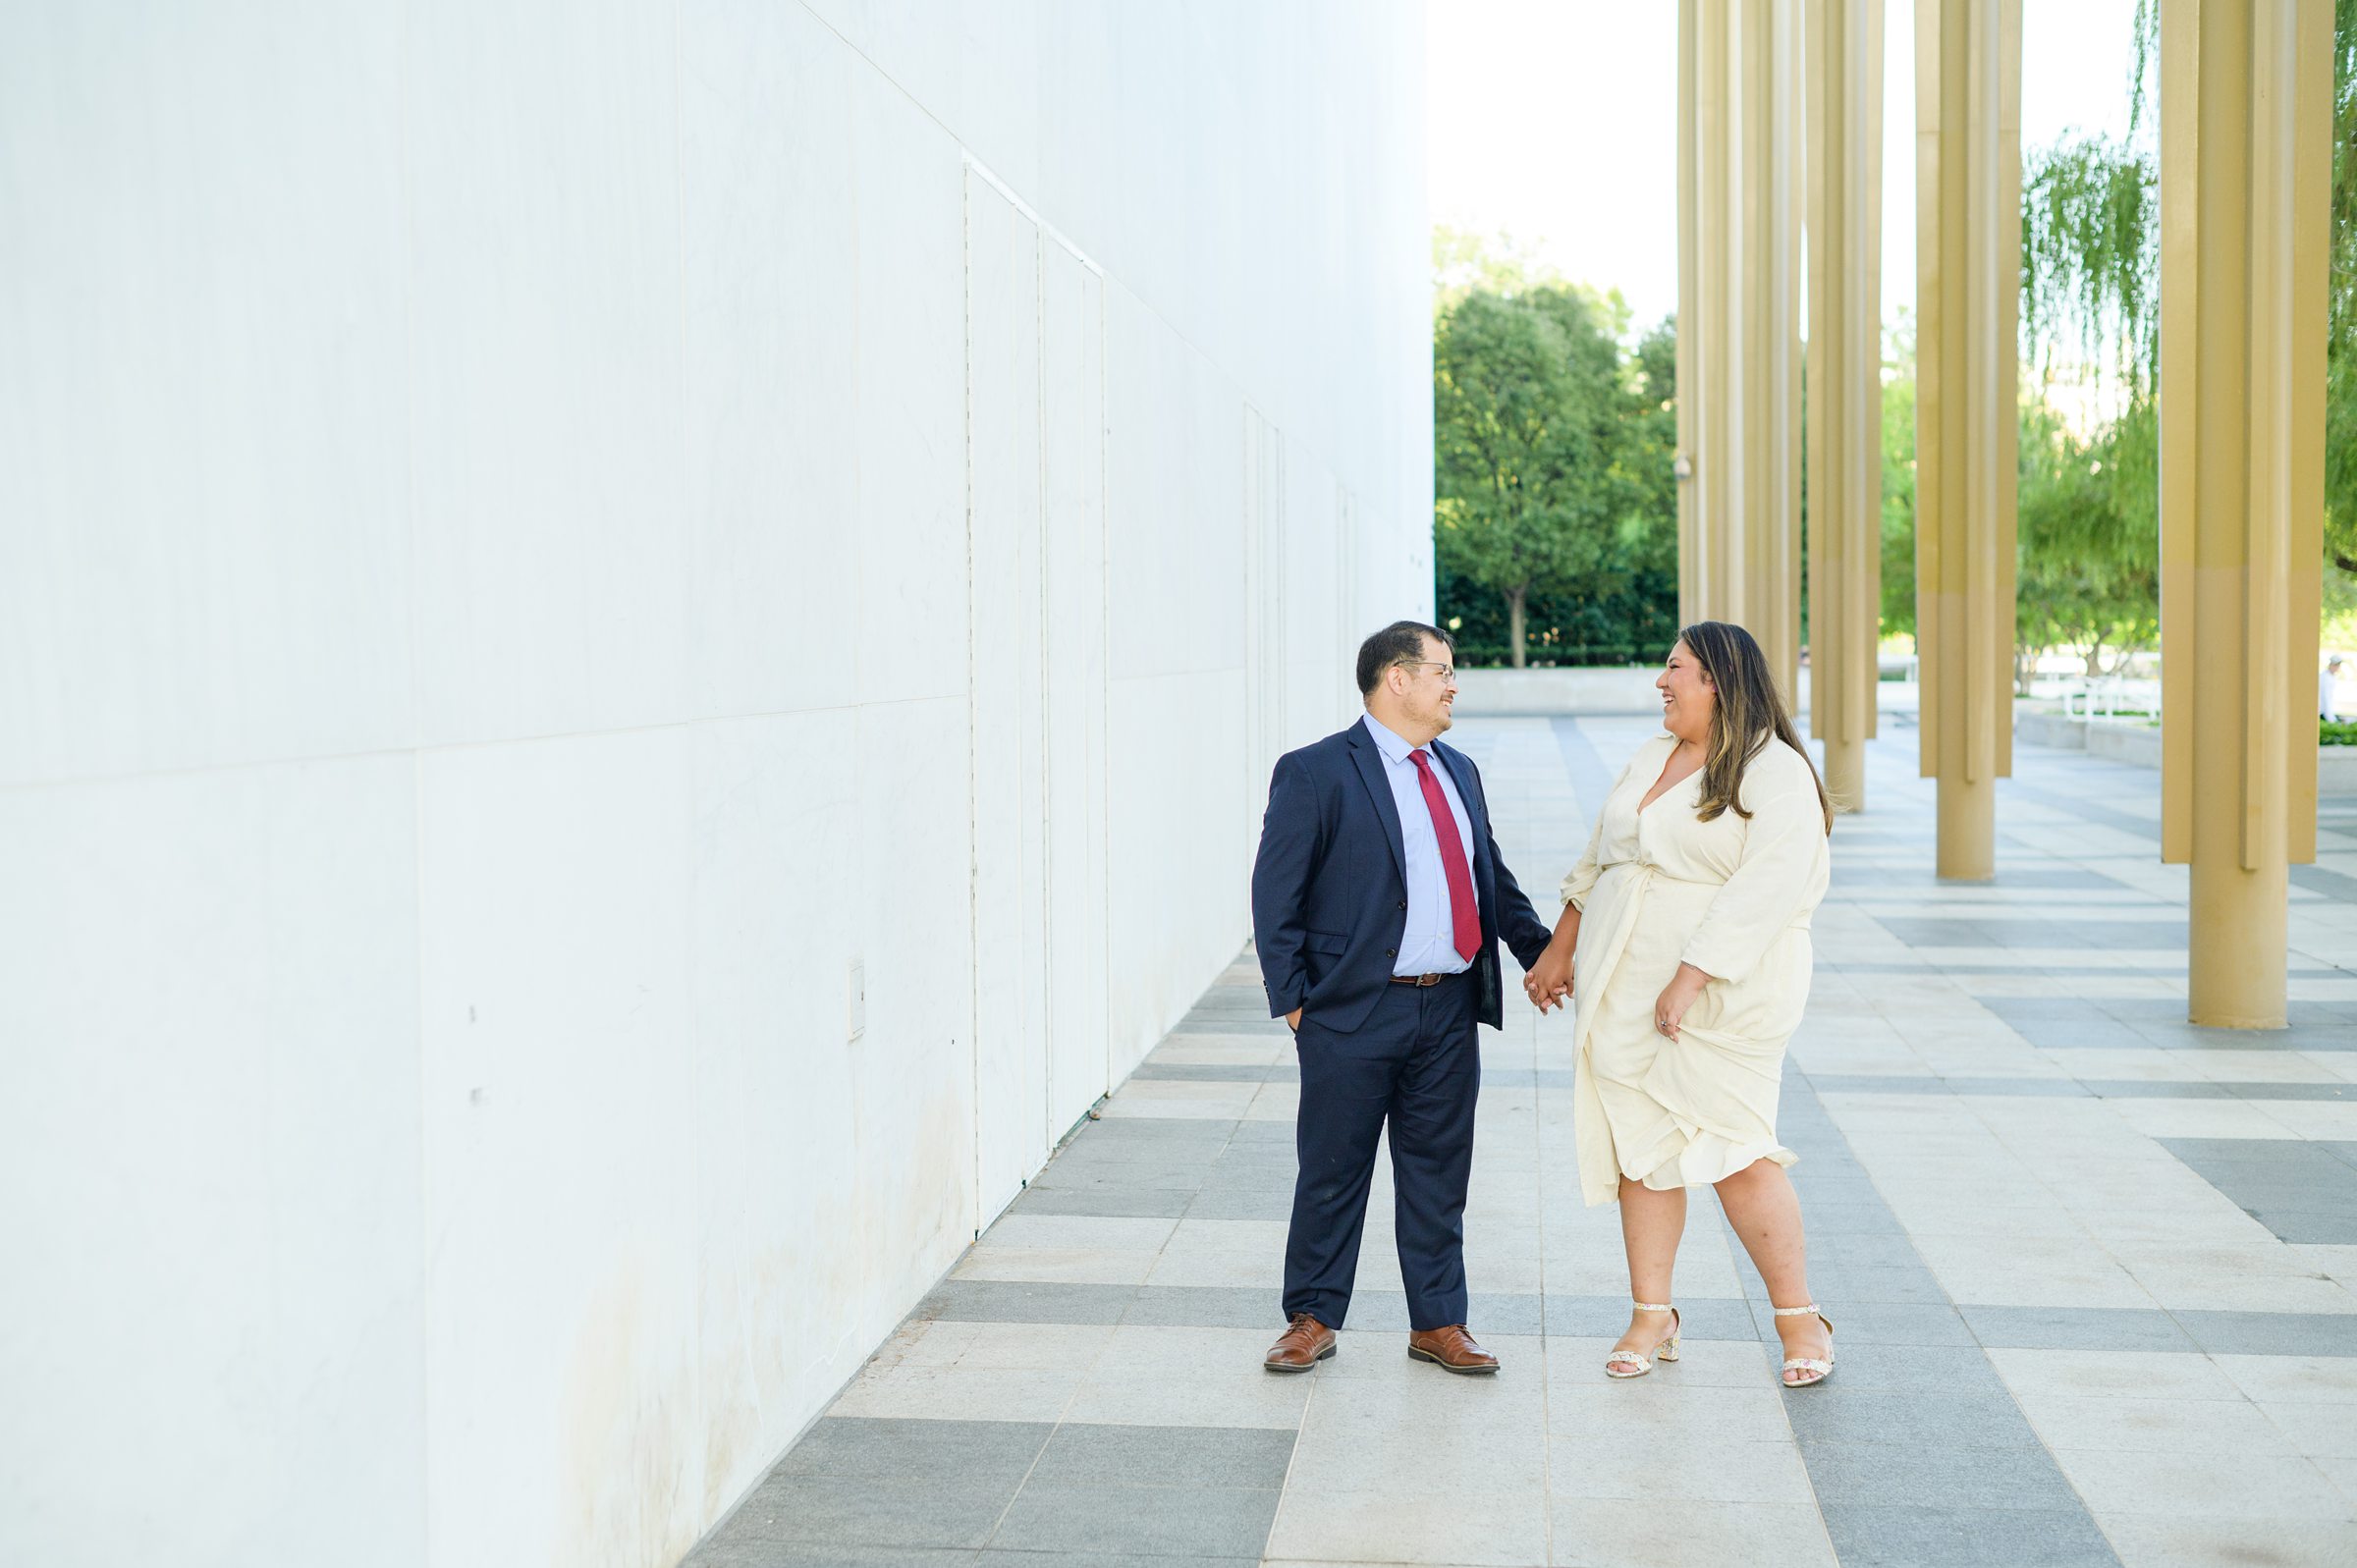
(1967, 302)
(1844, 48)
(2246, 149)
(1739, 320)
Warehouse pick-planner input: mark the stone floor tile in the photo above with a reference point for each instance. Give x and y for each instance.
(1703, 1466)
(1101, 1521)
(2272, 1379)
(1907, 1536)
(1871, 1475)
(2077, 1329)
(1505, 1530)
(1688, 1533)
(1078, 1232)
(2319, 1430)
(2178, 1541)
(1207, 1307)
(1025, 1302)
(874, 1511)
(2033, 1374)
(725, 1549)
(2253, 1487)
(1170, 1376)
(1960, 1424)
(977, 1450)
(1076, 1266)
(2156, 1426)
(1082, 1455)
(1648, 1409)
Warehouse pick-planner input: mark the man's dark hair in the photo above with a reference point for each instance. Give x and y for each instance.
(1401, 642)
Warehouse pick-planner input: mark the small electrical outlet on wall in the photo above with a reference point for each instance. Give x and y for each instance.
(858, 998)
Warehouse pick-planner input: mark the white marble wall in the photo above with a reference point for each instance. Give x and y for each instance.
(533, 538)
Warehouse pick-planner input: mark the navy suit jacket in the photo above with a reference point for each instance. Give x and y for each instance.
(1330, 884)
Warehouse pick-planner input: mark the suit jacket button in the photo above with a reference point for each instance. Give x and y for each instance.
(1390, 952)
(1403, 903)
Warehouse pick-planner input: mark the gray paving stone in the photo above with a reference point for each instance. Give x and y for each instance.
(995, 1558)
(1021, 1301)
(1915, 1536)
(2272, 1333)
(1889, 1323)
(1886, 1476)
(874, 1511)
(724, 1551)
(1114, 1203)
(2076, 1329)
(981, 1451)
(1102, 1521)
(1207, 1307)
(1910, 1368)
(1850, 1283)
(1218, 1457)
(1931, 1421)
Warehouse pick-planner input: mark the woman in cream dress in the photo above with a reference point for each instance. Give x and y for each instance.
(1684, 945)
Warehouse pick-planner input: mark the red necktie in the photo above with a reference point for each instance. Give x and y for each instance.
(1462, 910)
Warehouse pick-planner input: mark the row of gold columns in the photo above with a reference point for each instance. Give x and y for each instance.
(2246, 117)
(2245, 159)
(1739, 313)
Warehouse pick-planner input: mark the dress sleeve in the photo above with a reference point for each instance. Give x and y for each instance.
(1780, 877)
(1581, 880)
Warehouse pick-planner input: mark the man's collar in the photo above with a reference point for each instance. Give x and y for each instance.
(1394, 745)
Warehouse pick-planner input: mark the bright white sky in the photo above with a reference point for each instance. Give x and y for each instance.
(1554, 121)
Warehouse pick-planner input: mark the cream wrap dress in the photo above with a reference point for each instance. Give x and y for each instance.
(1730, 896)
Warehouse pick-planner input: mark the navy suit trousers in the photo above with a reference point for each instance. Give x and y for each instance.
(1417, 1063)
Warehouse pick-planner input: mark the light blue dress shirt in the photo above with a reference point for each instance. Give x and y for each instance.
(1429, 947)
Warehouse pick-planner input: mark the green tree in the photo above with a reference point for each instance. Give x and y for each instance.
(1529, 403)
(1898, 478)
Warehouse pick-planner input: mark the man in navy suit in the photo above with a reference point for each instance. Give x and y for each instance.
(1378, 902)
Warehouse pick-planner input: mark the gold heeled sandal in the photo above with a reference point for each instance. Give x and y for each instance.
(1637, 1362)
(1822, 1370)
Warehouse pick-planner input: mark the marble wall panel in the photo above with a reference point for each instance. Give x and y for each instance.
(911, 1110)
(771, 489)
(201, 379)
(209, 1136)
(564, 1419)
(1009, 690)
(544, 290)
(778, 867)
(910, 387)
(1072, 403)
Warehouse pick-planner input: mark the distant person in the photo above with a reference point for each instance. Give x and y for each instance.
(1378, 902)
(2327, 691)
(1685, 932)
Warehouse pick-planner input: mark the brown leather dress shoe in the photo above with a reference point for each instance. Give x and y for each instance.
(1301, 1347)
(1450, 1348)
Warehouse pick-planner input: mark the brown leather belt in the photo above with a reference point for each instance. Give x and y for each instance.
(1420, 980)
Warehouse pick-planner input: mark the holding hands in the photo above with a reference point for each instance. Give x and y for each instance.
(1548, 984)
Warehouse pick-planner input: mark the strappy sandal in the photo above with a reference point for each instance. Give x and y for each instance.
(1809, 1363)
(1637, 1363)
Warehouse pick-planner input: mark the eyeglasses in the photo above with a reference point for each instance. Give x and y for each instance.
(1448, 672)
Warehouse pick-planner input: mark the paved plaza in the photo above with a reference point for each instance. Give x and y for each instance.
(2093, 1270)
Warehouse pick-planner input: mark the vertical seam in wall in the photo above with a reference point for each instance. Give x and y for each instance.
(695, 1057)
(417, 1032)
(1105, 675)
(1048, 1115)
(974, 835)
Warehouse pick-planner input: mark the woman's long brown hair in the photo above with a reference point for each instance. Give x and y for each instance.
(1748, 713)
